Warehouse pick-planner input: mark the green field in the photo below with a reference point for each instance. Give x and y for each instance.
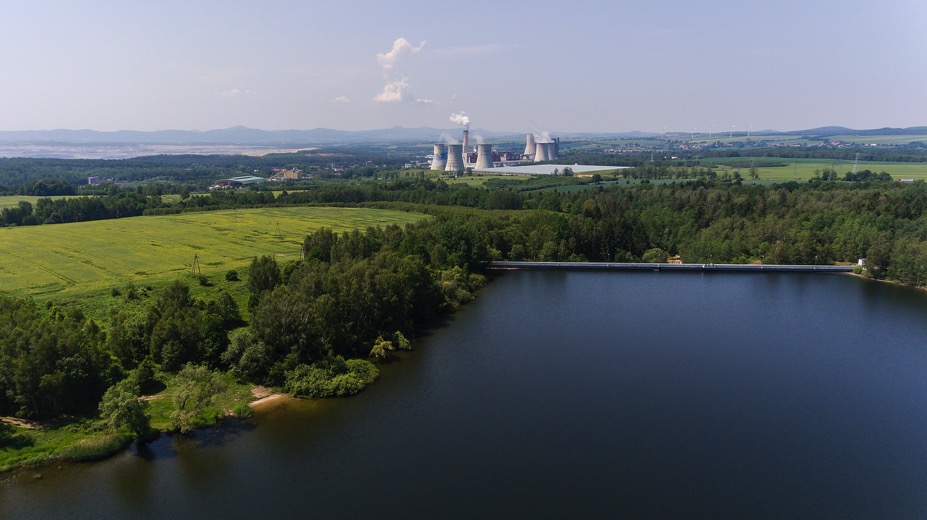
(879, 139)
(804, 169)
(9, 201)
(478, 180)
(84, 257)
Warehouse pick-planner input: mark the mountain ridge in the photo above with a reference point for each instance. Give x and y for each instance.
(244, 135)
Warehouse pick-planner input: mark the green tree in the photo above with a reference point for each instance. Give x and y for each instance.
(263, 275)
(655, 255)
(121, 406)
(402, 343)
(319, 245)
(195, 390)
(381, 348)
(248, 356)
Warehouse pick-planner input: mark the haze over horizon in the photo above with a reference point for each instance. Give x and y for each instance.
(516, 66)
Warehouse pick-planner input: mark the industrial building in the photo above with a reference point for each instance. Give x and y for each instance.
(458, 157)
(236, 182)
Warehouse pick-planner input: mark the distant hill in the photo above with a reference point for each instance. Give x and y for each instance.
(241, 135)
(840, 130)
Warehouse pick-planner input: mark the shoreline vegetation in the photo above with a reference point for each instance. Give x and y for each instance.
(92, 373)
(93, 447)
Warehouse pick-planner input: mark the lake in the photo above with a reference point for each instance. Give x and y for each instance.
(564, 394)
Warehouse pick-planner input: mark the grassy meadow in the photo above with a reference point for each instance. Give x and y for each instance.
(10, 201)
(478, 180)
(73, 259)
(804, 169)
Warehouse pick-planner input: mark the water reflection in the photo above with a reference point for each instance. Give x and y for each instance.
(632, 395)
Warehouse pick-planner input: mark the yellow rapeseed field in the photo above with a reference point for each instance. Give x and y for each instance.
(72, 259)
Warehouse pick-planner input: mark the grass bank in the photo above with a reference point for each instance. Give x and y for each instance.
(33, 444)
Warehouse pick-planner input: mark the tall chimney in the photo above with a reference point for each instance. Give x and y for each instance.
(483, 156)
(556, 152)
(466, 141)
(455, 162)
(440, 157)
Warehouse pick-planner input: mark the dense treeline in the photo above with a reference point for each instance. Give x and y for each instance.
(200, 170)
(352, 291)
(53, 363)
(913, 152)
(786, 223)
(365, 289)
(50, 364)
(122, 203)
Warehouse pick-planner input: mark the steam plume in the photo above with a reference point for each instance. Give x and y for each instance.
(461, 118)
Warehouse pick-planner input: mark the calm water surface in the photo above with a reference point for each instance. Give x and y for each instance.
(632, 395)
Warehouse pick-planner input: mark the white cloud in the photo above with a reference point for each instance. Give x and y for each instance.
(397, 88)
(396, 91)
(401, 46)
(236, 92)
(341, 99)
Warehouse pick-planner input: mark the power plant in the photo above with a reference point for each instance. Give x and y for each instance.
(440, 157)
(541, 152)
(458, 157)
(530, 146)
(483, 156)
(455, 162)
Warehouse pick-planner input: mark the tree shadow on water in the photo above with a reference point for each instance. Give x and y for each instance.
(167, 446)
(220, 434)
(159, 449)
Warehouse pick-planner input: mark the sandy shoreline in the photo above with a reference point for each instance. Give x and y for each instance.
(266, 398)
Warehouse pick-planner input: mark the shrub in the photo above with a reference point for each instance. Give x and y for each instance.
(401, 342)
(308, 381)
(6, 432)
(242, 411)
(232, 275)
(381, 348)
(367, 371)
(344, 385)
(332, 376)
(96, 447)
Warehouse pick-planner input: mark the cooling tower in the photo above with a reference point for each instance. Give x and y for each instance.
(440, 158)
(483, 156)
(542, 152)
(530, 147)
(455, 162)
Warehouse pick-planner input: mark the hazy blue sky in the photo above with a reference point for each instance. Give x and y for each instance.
(571, 65)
